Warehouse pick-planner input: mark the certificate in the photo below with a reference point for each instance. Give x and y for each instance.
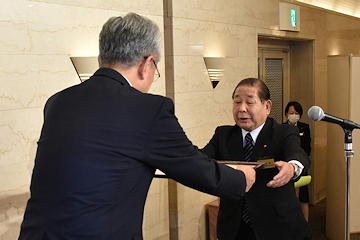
(233, 164)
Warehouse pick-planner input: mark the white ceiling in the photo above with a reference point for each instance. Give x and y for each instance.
(348, 7)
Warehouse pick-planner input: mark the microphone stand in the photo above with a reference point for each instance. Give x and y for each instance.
(348, 154)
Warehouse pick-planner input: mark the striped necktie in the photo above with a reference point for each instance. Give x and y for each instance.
(248, 147)
(247, 152)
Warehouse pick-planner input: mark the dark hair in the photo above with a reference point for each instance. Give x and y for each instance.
(263, 90)
(296, 105)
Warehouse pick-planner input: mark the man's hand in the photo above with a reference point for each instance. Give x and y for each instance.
(286, 172)
(250, 175)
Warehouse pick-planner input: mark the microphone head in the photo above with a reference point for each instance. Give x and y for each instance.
(315, 113)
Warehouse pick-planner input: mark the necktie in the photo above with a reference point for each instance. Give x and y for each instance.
(248, 147)
(247, 152)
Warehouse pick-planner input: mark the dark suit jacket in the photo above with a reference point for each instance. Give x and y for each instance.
(99, 147)
(305, 138)
(275, 213)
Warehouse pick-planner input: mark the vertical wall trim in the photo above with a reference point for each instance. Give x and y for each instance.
(169, 49)
(170, 92)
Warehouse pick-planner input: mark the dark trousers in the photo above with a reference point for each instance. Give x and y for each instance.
(245, 232)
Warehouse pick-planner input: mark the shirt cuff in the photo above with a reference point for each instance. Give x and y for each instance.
(299, 164)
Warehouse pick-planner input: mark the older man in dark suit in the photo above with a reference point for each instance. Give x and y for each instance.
(102, 141)
(271, 210)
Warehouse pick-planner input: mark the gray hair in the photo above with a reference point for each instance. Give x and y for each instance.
(127, 40)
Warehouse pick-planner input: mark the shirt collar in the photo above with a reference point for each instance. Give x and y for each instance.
(254, 133)
(127, 80)
(293, 125)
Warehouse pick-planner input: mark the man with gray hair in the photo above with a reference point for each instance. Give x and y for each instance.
(103, 139)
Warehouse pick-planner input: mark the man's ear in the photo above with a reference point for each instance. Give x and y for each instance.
(144, 66)
(268, 105)
(142, 70)
(145, 76)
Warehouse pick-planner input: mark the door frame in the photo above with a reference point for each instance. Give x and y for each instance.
(302, 89)
(276, 52)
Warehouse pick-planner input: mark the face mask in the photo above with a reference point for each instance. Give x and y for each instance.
(293, 118)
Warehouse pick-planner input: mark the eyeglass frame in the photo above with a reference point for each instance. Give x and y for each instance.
(158, 73)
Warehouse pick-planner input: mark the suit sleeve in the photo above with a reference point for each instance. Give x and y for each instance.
(171, 151)
(211, 149)
(292, 149)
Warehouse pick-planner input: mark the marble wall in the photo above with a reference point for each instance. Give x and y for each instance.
(37, 38)
(230, 29)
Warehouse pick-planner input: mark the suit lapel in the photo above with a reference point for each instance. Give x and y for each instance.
(262, 141)
(235, 144)
(301, 128)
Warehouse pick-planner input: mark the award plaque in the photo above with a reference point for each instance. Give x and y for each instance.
(233, 164)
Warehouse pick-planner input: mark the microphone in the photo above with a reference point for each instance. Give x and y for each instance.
(315, 113)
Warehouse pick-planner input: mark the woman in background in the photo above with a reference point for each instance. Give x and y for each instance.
(293, 112)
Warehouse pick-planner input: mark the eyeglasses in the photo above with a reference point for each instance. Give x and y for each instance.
(157, 76)
(157, 73)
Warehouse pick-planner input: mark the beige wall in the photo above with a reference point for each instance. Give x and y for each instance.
(215, 28)
(37, 38)
(343, 100)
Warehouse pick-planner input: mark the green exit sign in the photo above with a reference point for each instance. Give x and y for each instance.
(289, 17)
(293, 18)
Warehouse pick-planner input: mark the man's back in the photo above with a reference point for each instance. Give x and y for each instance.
(85, 178)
